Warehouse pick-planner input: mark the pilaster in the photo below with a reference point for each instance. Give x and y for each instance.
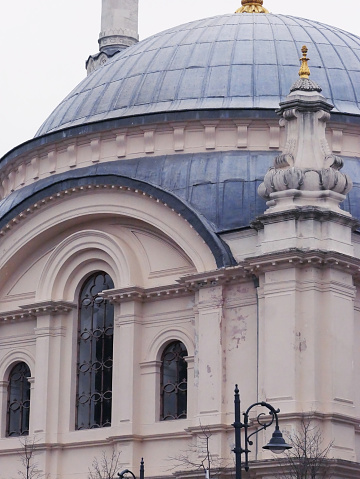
(46, 386)
(306, 346)
(126, 373)
(209, 360)
(31, 419)
(3, 406)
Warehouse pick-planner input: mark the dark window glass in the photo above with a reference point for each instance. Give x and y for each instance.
(18, 410)
(95, 354)
(174, 382)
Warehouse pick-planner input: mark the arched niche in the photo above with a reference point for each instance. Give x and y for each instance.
(71, 238)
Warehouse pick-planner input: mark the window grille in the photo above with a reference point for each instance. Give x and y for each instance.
(18, 410)
(95, 354)
(174, 382)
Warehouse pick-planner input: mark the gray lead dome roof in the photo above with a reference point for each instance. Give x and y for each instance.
(226, 62)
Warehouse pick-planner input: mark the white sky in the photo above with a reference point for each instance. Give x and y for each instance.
(45, 44)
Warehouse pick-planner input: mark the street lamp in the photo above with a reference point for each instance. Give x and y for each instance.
(276, 444)
(122, 474)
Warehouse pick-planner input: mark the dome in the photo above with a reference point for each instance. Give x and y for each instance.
(235, 61)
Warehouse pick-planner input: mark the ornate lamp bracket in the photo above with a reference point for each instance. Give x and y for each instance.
(276, 444)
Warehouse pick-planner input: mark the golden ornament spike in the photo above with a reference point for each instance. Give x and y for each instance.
(304, 71)
(252, 6)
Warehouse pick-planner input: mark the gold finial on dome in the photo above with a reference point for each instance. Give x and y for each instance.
(304, 71)
(252, 6)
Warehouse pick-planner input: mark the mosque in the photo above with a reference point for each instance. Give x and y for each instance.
(187, 219)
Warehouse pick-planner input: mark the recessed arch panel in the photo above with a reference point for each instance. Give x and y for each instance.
(52, 186)
(80, 254)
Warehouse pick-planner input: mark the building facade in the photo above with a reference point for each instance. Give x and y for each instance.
(163, 238)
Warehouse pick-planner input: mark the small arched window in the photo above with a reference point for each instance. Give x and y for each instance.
(174, 382)
(18, 407)
(95, 354)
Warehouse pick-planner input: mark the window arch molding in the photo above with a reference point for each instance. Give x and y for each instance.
(159, 343)
(74, 257)
(11, 359)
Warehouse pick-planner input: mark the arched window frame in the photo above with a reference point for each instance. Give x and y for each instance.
(18, 400)
(94, 366)
(174, 386)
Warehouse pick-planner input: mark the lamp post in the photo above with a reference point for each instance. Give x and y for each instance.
(276, 444)
(123, 473)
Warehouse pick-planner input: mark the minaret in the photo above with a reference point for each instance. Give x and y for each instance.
(119, 30)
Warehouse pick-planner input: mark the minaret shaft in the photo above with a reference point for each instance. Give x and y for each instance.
(119, 24)
(119, 30)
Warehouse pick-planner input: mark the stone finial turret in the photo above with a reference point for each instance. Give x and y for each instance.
(252, 6)
(306, 173)
(119, 30)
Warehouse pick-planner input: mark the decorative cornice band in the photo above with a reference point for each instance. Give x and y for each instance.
(302, 214)
(31, 311)
(244, 271)
(253, 266)
(136, 293)
(187, 285)
(49, 307)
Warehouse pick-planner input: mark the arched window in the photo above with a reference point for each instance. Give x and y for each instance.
(18, 408)
(95, 354)
(174, 382)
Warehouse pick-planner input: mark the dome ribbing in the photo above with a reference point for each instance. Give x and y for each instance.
(225, 62)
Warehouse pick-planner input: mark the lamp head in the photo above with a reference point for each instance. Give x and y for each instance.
(122, 473)
(277, 443)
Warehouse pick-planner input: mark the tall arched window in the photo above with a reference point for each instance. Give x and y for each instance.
(95, 354)
(174, 382)
(18, 408)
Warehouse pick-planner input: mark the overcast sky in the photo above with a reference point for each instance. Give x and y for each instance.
(45, 44)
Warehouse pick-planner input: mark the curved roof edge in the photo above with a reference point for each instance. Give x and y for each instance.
(27, 196)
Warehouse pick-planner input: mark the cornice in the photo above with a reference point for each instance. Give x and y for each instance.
(243, 272)
(189, 284)
(16, 315)
(295, 257)
(136, 293)
(49, 307)
(32, 311)
(270, 468)
(305, 213)
(253, 266)
(315, 415)
(211, 428)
